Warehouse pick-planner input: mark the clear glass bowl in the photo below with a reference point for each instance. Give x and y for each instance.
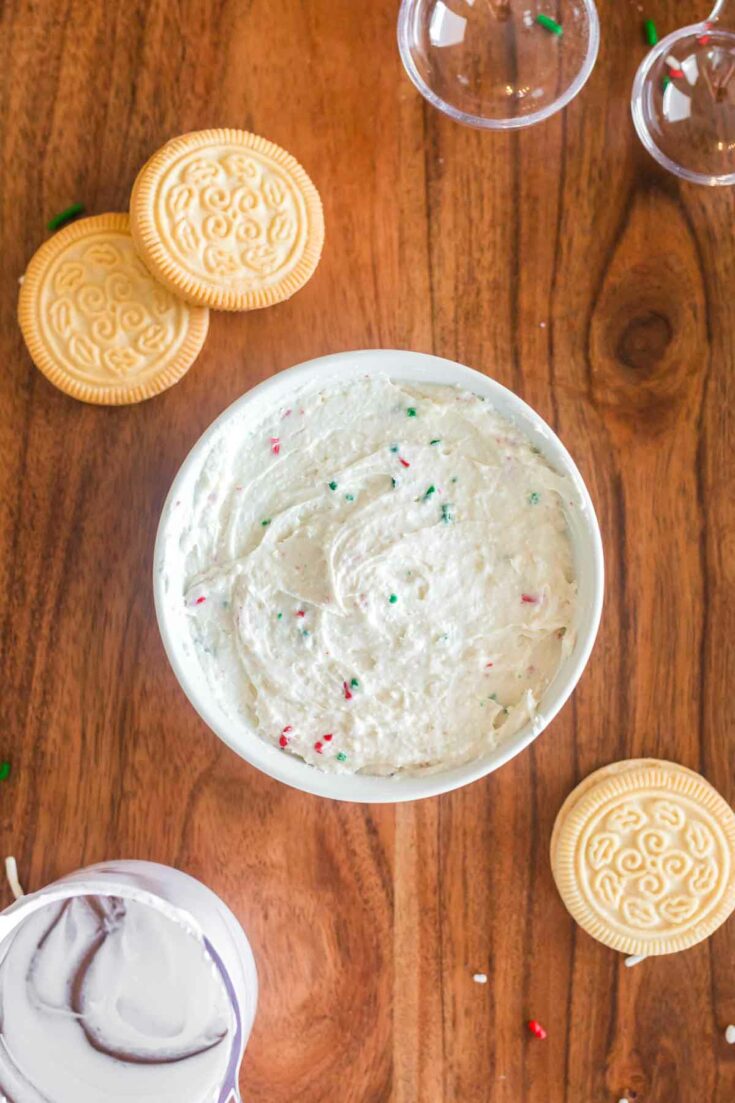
(683, 104)
(491, 63)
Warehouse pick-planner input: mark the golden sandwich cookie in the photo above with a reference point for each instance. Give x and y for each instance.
(227, 219)
(95, 321)
(643, 855)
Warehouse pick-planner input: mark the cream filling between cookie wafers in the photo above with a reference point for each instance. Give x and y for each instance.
(379, 576)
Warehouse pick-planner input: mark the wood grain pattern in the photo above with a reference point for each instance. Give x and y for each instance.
(566, 264)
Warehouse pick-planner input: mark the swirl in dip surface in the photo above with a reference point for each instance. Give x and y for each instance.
(105, 1000)
(379, 576)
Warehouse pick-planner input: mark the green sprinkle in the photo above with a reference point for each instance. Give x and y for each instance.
(354, 683)
(436, 440)
(280, 616)
(534, 498)
(550, 24)
(430, 490)
(410, 411)
(393, 599)
(666, 82)
(349, 497)
(305, 632)
(394, 447)
(265, 522)
(394, 483)
(65, 216)
(341, 757)
(651, 33)
(4, 771)
(333, 485)
(493, 697)
(447, 513)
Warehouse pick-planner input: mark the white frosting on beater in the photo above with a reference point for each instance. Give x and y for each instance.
(385, 564)
(104, 1000)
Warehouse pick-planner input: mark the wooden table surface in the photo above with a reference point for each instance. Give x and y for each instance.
(563, 262)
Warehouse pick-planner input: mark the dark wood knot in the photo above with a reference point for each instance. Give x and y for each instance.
(644, 341)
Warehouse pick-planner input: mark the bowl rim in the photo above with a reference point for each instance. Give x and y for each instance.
(479, 122)
(373, 789)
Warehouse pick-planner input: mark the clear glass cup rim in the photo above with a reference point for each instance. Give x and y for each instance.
(639, 119)
(478, 121)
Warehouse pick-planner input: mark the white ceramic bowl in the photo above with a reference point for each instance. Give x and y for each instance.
(169, 568)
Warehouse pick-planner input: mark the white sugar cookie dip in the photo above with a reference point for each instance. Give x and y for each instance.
(379, 576)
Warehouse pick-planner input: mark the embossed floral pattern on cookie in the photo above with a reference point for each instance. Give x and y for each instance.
(97, 323)
(654, 863)
(227, 219)
(644, 859)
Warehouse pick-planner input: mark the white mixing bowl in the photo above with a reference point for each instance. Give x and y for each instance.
(169, 577)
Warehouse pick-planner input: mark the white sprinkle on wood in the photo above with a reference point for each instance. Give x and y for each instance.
(11, 872)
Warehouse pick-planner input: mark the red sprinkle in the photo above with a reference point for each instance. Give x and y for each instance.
(318, 748)
(288, 728)
(677, 74)
(346, 688)
(200, 601)
(300, 613)
(536, 1029)
(404, 463)
(528, 599)
(488, 665)
(327, 737)
(275, 445)
(283, 741)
